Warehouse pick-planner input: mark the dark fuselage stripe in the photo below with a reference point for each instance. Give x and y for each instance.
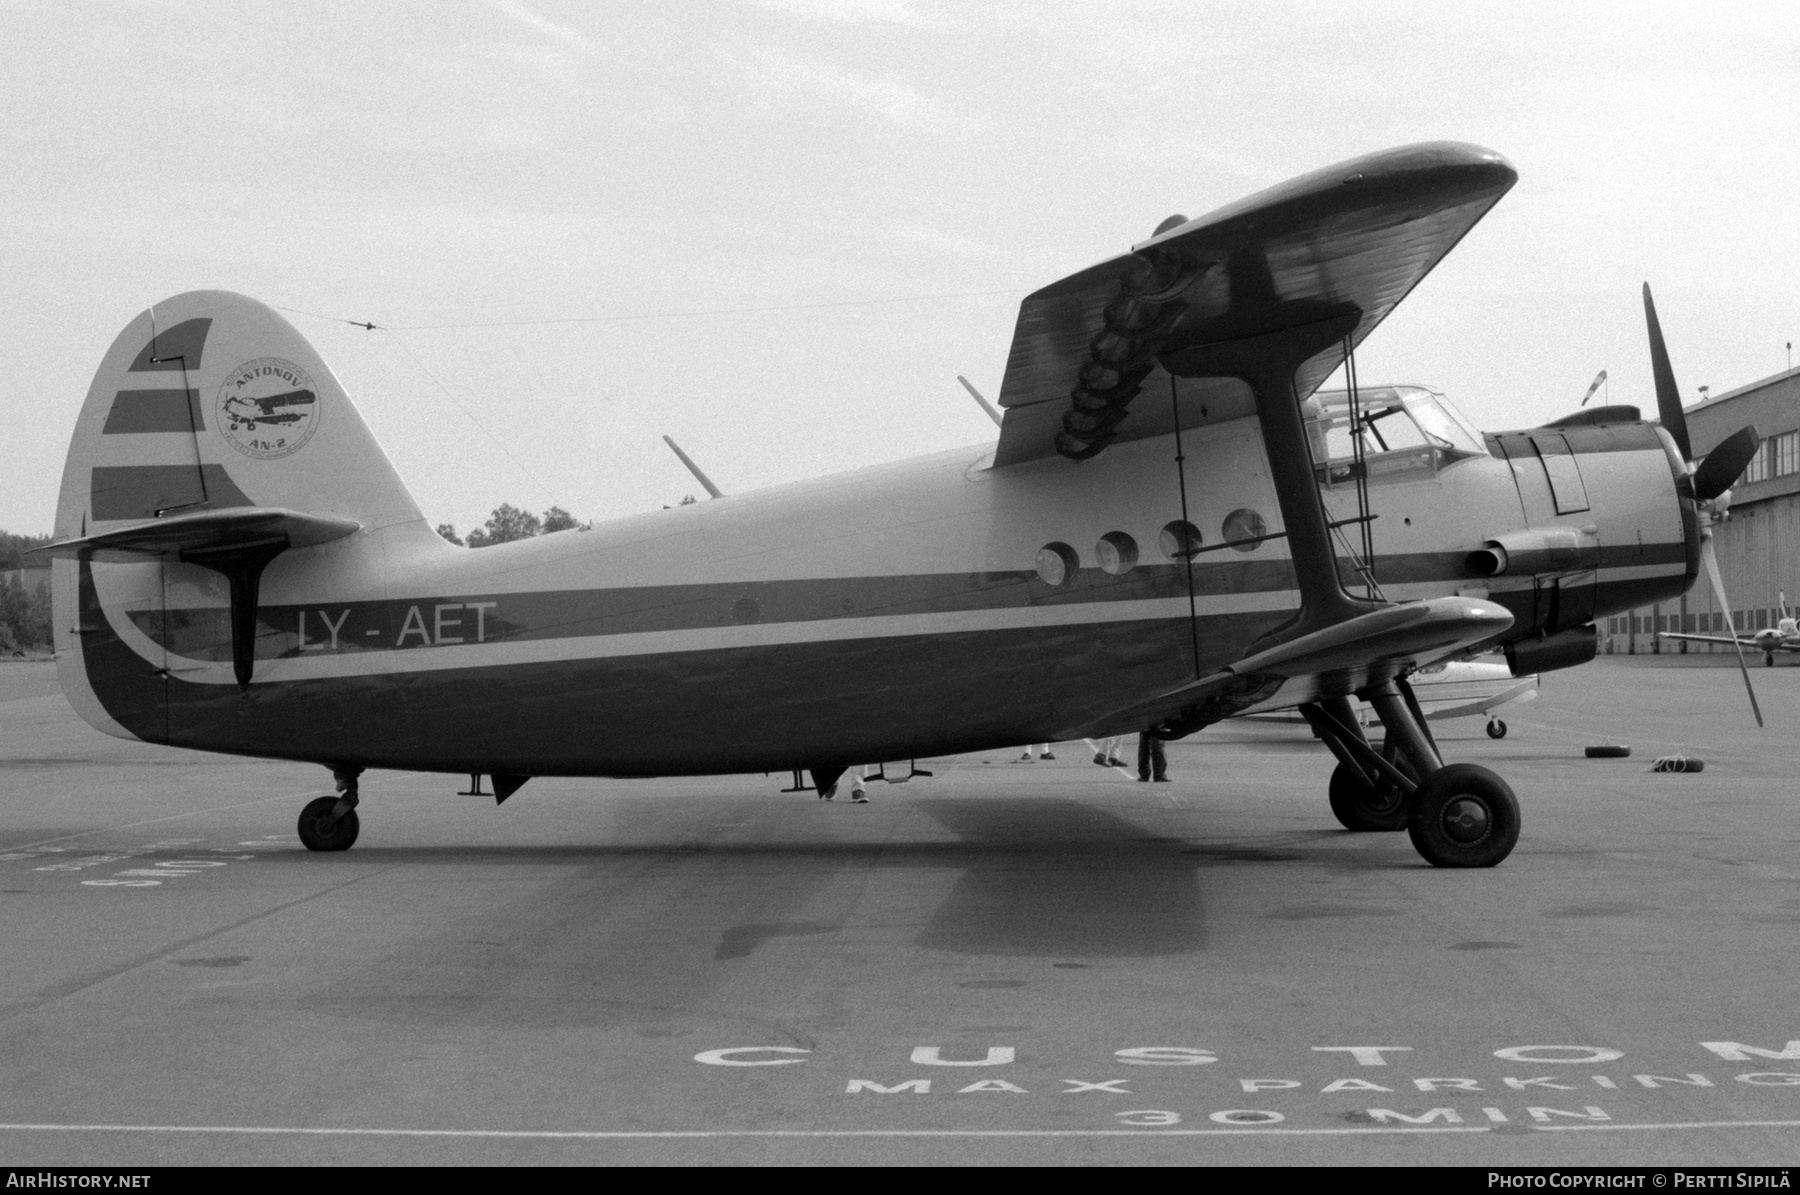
(203, 633)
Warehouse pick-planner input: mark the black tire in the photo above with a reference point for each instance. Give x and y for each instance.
(1496, 729)
(1608, 752)
(1362, 808)
(315, 836)
(1464, 816)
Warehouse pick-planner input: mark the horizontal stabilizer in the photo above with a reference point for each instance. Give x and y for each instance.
(204, 531)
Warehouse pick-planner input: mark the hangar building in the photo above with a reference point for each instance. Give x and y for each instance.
(1759, 545)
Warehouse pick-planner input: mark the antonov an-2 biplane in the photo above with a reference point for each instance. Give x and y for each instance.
(1164, 535)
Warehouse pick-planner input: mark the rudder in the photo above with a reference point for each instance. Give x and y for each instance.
(207, 401)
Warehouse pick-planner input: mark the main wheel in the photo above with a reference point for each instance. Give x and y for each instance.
(1496, 729)
(1361, 807)
(315, 835)
(1464, 816)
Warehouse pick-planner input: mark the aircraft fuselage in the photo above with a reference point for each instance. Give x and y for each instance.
(890, 612)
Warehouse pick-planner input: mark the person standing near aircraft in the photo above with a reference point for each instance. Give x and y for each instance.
(1107, 755)
(1153, 764)
(1034, 752)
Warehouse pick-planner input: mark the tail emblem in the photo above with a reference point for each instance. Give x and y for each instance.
(268, 408)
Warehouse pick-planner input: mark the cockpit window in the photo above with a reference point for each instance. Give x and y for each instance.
(1402, 429)
(1442, 422)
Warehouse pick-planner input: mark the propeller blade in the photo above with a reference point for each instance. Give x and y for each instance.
(1712, 569)
(1725, 464)
(1668, 398)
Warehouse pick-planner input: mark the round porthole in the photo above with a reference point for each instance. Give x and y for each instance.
(1180, 540)
(1241, 525)
(1056, 563)
(1117, 553)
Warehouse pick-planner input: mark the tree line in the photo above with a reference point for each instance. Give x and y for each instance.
(24, 610)
(508, 523)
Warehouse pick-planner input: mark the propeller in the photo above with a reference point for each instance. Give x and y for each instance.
(1711, 481)
(1725, 464)
(1668, 398)
(1718, 584)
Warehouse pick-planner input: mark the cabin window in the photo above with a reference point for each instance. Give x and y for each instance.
(1117, 553)
(1056, 563)
(1180, 540)
(1243, 530)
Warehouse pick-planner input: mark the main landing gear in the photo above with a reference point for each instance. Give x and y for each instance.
(1458, 815)
(330, 823)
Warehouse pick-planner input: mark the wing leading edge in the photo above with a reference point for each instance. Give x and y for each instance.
(1095, 356)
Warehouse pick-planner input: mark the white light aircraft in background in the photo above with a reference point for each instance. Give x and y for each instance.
(1783, 636)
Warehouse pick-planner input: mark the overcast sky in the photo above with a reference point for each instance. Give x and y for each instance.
(438, 165)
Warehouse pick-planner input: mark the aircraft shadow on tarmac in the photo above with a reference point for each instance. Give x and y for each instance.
(1038, 877)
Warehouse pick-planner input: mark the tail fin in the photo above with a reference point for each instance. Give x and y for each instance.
(210, 400)
(212, 426)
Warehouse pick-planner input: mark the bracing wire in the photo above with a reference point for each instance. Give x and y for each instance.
(654, 315)
(371, 326)
(473, 418)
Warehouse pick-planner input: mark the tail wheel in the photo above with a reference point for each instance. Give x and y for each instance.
(319, 833)
(1464, 816)
(1496, 729)
(1360, 806)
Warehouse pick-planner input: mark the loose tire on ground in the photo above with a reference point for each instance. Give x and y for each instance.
(1464, 816)
(315, 836)
(1360, 807)
(1616, 751)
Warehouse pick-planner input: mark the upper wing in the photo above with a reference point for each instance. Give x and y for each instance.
(1353, 237)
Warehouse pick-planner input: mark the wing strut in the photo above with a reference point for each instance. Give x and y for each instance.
(1267, 363)
(1366, 565)
(1188, 550)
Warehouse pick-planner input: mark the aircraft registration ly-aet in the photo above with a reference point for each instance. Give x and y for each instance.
(1171, 529)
